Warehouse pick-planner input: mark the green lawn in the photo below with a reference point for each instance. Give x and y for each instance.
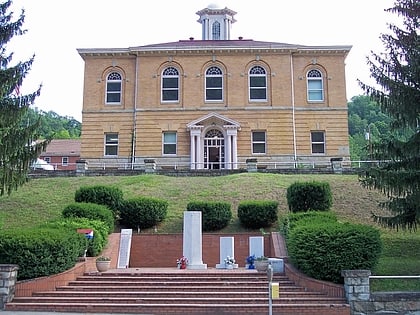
(41, 200)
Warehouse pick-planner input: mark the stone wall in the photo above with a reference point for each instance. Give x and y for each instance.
(362, 302)
(8, 277)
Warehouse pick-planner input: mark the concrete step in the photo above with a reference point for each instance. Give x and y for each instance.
(179, 308)
(179, 293)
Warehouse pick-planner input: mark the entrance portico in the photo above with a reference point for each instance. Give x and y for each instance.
(213, 142)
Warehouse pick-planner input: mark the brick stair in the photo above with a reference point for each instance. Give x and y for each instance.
(179, 292)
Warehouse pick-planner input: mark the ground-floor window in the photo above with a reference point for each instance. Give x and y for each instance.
(169, 142)
(318, 142)
(111, 144)
(258, 142)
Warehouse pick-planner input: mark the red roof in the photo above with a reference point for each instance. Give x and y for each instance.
(63, 147)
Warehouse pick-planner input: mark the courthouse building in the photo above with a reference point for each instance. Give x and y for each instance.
(214, 102)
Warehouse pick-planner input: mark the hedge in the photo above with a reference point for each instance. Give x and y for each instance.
(215, 215)
(90, 211)
(304, 196)
(95, 245)
(102, 195)
(40, 251)
(143, 212)
(322, 250)
(256, 214)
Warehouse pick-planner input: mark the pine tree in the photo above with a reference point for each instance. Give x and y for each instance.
(18, 147)
(397, 73)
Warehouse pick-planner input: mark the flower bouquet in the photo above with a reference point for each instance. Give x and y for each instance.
(250, 260)
(182, 262)
(229, 262)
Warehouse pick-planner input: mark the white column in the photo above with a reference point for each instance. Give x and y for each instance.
(199, 153)
(228, 152)
(234, 152)
(192, 240)
(192, 154)
(233, 135)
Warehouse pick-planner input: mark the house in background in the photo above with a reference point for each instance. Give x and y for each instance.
(214, 103)
(62, 153)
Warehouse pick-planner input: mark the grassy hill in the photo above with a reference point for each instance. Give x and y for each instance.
(41, 200)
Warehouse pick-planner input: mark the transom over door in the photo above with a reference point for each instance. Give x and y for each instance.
(214, 150)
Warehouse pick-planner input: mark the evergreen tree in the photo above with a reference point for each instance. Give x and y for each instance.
(397, 73)
(18, 147)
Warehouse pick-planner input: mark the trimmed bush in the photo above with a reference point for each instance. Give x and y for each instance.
(95, 245)
(90, 211)
(102, 195)
(40, 251)
(287, 223)
(307, 196)
(322, 250)
(256, 214)
(215, 215)
(143, 212)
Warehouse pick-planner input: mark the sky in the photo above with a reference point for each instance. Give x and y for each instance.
(57, 28)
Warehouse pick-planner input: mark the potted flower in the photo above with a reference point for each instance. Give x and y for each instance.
(103, 263)
(182, 262)
(229, 262)
(250, 262)
(261, 263)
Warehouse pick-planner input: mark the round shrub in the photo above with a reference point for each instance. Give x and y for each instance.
(143, 212)
(215, 215)
(322, 250)
(102, 195)
(256, 214)
(309, 196)
(40, 251)
(90, 211)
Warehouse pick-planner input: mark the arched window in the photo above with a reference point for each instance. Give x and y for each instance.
(257, 84)
(170, 85)
(315, 86)
(214, 84)
(216, 31)
(113, 88)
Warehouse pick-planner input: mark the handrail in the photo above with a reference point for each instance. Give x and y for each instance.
(394, 277)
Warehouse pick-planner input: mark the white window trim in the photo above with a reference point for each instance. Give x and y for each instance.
(178, 76)
(112, 144)
(324, 143)
(222, 87)
(249, 85)
(120, 92)
(259, 142)
(321, 79)
(163, 143)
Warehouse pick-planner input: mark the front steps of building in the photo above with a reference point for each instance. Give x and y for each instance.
(211, 291)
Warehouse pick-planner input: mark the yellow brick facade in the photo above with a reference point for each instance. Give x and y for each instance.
(286, 117)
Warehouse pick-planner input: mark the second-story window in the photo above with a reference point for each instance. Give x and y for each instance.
(315, 86)
(113, 88)
(214, 84)
(170, 85)
(257, 84)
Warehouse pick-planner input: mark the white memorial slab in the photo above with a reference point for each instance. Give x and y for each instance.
(125, 246)
(227, 249)
(192, 240)
(256, 246)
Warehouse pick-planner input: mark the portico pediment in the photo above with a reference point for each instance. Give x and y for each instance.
(213, 119)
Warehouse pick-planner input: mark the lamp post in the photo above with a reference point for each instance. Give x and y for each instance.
(270, 279)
